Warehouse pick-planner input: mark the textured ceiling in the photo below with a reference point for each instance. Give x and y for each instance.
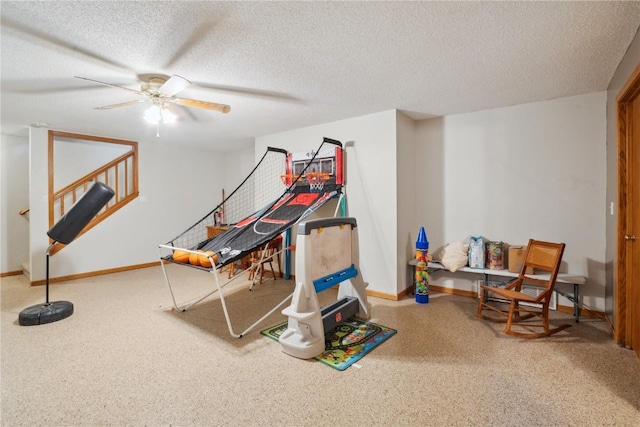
(285, 65)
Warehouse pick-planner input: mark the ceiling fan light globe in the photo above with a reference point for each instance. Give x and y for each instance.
(153, 115)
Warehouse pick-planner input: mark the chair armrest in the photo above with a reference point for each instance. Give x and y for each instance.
(516, 285)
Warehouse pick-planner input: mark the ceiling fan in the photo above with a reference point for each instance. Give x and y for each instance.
(160, 92)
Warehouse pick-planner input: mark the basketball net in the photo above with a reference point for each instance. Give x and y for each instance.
(316, 180)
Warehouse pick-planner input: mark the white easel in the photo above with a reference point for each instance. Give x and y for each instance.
(327, 254)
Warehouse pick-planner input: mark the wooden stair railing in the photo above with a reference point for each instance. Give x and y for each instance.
(120, 174)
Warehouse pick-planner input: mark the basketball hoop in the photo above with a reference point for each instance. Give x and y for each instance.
(316, 180)
(288, 179)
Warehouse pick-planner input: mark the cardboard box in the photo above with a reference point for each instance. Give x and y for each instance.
(515, 258)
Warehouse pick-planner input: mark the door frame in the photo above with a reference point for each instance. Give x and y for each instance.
(629, 92)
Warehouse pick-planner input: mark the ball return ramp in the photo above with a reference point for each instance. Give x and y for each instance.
(247, 229)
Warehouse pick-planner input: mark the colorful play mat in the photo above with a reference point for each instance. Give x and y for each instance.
(345, 344)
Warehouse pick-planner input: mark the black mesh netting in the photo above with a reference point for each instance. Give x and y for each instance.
(261, 208)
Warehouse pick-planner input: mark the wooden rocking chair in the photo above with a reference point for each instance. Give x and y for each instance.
(543, 257)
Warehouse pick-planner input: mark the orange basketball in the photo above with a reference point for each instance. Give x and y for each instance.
(195, 258)
(181, 256)
(204, 261)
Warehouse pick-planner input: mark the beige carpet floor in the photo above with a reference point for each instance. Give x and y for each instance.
(124, 358)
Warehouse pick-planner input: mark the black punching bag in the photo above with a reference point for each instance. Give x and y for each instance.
(64, 231)
(81, 213)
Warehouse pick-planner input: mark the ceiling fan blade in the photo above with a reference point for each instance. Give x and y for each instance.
(255, 93)
(56, 42)
(182, 111)
(42, 86)
(174, 110)
(222, 108)
(174, 85)
(196, 37)
(122, 104)
(137, 92)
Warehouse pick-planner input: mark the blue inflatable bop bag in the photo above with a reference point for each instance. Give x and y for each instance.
(422, 273)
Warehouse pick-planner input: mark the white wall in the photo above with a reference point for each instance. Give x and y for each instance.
(14, 193)
(238, 164)
(528, 171)
(410, 186)
(177, 187)
(371, 185)
(75, 158)
(629, 62)
(38, 197)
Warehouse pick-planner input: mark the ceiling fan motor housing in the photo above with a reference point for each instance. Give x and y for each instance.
(153, 85)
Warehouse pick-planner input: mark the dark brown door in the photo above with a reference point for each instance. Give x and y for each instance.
(632, 236)
(627, 314)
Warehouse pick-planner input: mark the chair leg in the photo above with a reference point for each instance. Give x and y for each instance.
(545, 318)
(252, 270)
(512, 307)
(480, 303)
(484, 305)
(262, 268)
(273, 272)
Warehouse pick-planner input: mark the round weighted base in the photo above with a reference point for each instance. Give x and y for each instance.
(45, 313)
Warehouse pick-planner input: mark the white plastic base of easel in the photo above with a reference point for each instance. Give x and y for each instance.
(299, 341)
(304, 336)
